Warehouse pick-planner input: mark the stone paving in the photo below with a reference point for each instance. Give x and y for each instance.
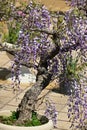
(10, 101)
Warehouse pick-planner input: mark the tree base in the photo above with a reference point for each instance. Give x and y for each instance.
(47, 126)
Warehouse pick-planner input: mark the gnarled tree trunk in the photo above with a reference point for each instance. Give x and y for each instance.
(30, 98)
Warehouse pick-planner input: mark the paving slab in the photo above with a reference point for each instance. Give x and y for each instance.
(5, 58)
(9, 107)
(58, 98)
(62, 116)
(14, 102)
(63, 125)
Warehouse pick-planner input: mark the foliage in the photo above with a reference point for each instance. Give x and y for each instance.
(13, 32)
(35, 121)
(51, 112)
(71, 70)
(10, 120)
(6, 8)
(12, 17)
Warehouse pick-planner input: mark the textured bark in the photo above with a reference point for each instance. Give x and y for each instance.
(30, 98)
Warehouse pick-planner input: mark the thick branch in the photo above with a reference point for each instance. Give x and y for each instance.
(56, 51)
(43, 31)
(11, 48)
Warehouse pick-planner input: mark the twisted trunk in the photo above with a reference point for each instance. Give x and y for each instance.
(30, 98)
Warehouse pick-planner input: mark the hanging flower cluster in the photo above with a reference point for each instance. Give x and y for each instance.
(33, 43)
(78, 3)
(77, 104)
(74, 103)
(51, 112)
(76, 35)
(76, 31)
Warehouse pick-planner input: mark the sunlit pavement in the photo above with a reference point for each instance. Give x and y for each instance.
(10, 101)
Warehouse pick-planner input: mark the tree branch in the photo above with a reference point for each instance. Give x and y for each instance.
(42, 31)
(9, 47)
(55, 51)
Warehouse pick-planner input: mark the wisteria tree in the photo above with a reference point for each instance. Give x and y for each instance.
(47, 42)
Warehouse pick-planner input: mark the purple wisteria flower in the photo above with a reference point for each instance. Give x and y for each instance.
(33, 44)
(51, 112)
(78, 3)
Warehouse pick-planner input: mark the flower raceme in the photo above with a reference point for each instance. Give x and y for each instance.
(32, 43)
(35, 44)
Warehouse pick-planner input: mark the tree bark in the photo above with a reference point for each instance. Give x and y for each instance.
(29, 100)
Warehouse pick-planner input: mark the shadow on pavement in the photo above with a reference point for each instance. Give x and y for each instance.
(3, 73)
